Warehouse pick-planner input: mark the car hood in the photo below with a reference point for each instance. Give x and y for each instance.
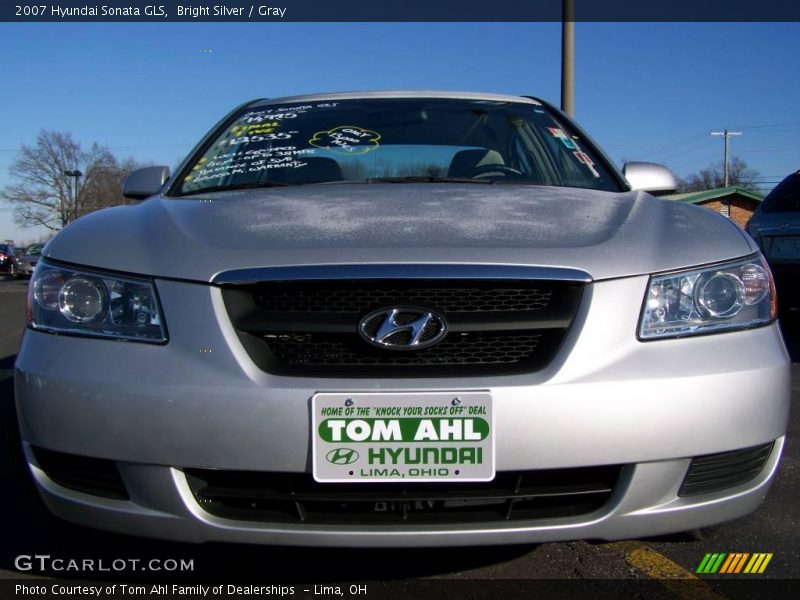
(196, 237)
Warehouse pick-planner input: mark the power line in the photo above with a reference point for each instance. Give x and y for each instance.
(694, 162)
(663, 149)
(660, 152)
(784, 124)
(761, 150)
(687, 150)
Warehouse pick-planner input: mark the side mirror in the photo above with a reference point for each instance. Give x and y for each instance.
(650, 177)
(143, 183)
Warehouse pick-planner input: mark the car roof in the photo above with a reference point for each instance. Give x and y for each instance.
(397, 94)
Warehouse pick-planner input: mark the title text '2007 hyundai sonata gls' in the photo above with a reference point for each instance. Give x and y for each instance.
(401, 319)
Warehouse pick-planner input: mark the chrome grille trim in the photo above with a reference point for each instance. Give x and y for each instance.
(399, 271)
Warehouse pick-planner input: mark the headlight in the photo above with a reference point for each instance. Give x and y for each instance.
(92, 303)
(733, 296)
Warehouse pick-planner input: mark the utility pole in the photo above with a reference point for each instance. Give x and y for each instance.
(77, 175)
(726, 134)
(567, 57)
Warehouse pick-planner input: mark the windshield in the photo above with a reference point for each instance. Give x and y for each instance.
(398, 140)
(785, 197)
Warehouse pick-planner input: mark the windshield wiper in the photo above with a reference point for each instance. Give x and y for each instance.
(238, 186)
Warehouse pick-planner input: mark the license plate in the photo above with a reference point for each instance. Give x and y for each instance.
(786, 246)
(402, 437)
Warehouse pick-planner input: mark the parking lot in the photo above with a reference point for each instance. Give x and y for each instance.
(28, 529)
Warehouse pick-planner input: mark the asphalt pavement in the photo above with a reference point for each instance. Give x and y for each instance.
(28, 529)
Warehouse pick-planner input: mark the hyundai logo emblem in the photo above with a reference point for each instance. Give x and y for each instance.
(342, 456)
(402, 328)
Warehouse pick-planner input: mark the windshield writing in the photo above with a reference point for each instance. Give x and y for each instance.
(408, 139)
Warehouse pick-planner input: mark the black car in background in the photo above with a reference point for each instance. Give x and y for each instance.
(776, 227)
(8, 260)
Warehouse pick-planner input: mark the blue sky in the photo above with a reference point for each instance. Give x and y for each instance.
(645, 91)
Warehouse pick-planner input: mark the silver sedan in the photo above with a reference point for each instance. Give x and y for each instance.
(402, 319)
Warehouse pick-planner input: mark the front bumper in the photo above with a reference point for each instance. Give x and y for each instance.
(607, 399)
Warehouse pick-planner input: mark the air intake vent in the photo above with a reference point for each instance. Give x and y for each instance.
(95, 476)
(715, 472)
(297, 498)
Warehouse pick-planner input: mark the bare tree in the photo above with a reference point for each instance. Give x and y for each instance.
(43, 193)
(105, 188)
(739, 175)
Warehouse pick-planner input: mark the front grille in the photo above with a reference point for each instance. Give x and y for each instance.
(716, 472)
(95, 476)
(493, 326)
(360, 298)
(476, 350)
(297, 498)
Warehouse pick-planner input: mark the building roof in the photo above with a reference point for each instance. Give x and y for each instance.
(716, 194)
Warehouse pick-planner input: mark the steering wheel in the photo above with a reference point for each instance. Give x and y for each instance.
(482, 170)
